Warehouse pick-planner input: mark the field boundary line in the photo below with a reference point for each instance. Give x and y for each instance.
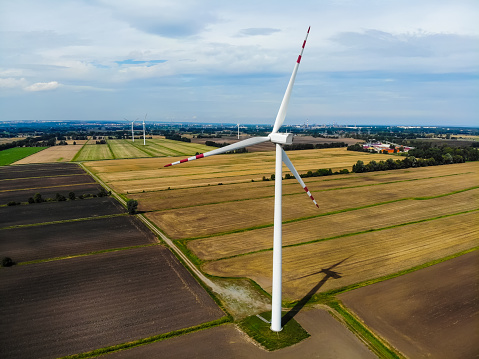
(149, 340)
(111, 150)
(347, 235)
(327, 214)
(64, 221)
(35, 261)
(373, 341)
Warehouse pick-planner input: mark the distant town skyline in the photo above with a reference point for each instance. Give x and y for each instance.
(366, 62)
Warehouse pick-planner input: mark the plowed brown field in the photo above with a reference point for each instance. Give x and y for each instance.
(431, 313)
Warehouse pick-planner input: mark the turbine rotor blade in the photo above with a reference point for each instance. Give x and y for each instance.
(289, 164)
(234, 146)
(284, 104)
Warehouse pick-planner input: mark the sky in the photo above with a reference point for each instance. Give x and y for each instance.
(366, 62)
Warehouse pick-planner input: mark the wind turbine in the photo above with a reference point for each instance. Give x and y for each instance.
(132, 132)
(144, 137)
(279, 139)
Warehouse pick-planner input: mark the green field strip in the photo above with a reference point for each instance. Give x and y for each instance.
(75, 158)
(124, 149)
(173, 151)
(200, 261)
(143, 148)
(327, 213)
(64, 221)
(36, 188)
(157, 150)
(12, 155)
(94, 152)
(149, 340)
(109, 146)
(86, 254)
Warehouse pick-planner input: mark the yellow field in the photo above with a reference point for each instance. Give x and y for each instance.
(378, 223)
(150, 175)
(8, 140)
(365, 256)
(52, 154)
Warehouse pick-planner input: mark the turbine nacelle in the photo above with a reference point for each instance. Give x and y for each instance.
(281, 138)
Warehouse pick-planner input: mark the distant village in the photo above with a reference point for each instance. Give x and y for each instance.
(386, 147)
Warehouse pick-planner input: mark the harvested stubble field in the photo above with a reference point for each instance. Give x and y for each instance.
(238, 215)
(358, 257)
(75, 305)
(379, 222)
(58, 211)
(150, 175)
(73, 238)
(52, 154)
(431, 313)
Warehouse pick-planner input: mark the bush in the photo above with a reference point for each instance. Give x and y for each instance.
(12, 203)
(38, 198)
(71, 196)
(132, 206)
(31, 200)
(60, 198)
(7, 262)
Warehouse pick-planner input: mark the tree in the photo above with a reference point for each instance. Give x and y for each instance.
(359, 167)
(7, 262)
(132, 206)
(38, 198)
(71, 196)
(31, 200)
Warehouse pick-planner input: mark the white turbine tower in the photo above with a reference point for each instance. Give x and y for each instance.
(278, 139)
(144, 136)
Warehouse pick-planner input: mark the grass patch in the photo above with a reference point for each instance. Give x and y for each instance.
(15, 154)
(260, 331)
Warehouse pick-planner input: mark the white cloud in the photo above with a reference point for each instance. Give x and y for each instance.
(11, 83)
(42, 86)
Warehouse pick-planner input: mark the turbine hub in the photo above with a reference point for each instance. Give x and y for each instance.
(281, 138)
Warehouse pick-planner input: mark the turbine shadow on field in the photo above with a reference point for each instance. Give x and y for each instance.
(329, 273)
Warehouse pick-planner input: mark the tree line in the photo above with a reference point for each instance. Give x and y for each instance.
(37, 198)
(311, 146)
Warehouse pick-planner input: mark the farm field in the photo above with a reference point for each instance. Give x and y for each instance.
(95, 282)
(4, 140)
(97, 301)
(151, 175)
(44, 182)
(370, 224)
(12, 155)
(329, 339)
(50, 192)
(40, 170)
(73, 238)
(58, 211)
(52, 154)
(431, 313)
(118, 149)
